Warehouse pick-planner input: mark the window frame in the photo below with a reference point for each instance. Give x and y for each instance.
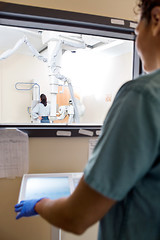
(58, 20)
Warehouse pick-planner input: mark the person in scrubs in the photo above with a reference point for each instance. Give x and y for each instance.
(120, 187)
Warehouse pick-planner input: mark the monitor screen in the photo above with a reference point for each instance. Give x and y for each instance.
(50, 187)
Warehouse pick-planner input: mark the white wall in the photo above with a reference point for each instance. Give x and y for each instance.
(113, 72)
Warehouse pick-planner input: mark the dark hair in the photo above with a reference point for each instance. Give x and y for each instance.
(146, 6)
(43, 99)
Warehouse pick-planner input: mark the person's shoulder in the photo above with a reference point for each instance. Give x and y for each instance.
(36, 105)
(40, 105)
(146, 84)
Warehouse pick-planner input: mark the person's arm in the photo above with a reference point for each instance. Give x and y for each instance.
(77, 212)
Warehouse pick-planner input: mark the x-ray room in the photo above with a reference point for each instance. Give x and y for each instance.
(79, 74)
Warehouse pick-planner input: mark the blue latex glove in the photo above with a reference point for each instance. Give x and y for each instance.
(26, 208)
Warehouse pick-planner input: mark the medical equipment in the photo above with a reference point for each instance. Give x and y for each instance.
(23, 40)
(51, 185)
(67, 110)
(57, 43)
(26, 86)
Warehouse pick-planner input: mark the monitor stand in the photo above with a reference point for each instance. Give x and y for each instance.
(55, 233)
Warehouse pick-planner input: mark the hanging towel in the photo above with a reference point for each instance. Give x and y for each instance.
(14, 155)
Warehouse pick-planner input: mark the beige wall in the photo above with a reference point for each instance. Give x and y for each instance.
(54, 154)
(110, 8)
(46, 155)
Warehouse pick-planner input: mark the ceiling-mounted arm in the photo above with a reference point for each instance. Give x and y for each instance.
(9, 52)
(34, 51)
(23, 40)
(62, 44)
(54, 69)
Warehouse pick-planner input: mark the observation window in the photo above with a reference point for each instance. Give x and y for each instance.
(78, 61)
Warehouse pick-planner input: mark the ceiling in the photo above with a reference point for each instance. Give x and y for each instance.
(11, 35)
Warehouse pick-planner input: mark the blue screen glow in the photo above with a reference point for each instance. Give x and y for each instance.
(50, 187)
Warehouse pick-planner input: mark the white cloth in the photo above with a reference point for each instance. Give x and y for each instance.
(14, 155)
(40, 110)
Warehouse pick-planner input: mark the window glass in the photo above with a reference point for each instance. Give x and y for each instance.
(79, 74)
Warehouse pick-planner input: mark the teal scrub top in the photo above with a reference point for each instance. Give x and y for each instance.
(125, 164)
